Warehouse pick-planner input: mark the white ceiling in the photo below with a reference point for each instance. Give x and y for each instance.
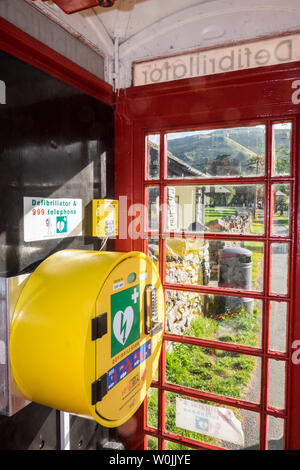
(128, 17)
(153, 28)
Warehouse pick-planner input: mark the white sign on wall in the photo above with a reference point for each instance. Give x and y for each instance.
(219, 60)
(214, 421)
(45, 219)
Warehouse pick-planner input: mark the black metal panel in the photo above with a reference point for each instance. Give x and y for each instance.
(55, 141)
(33, 428)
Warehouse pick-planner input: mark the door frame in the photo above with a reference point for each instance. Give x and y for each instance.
(19, 44)
(255, 94)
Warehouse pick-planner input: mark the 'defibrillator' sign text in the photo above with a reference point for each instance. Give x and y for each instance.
(46, 219)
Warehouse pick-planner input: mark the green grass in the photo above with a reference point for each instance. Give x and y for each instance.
(214, 371)
(212, 213)
(281, 220)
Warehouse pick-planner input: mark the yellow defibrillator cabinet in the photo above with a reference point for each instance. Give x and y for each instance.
(86, 333)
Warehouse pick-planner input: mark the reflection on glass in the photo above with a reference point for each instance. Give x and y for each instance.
(152, 407)
(282, 148)
(153, 142)
(235, 320)
(236, 151)
(214, 371)
(275, 428)
(276, 397)
(215, 263)
(174, 446)
(216, 208)
(279, 268)
(153, 208)
(281, 203)
(278, 326)
(153, 250)
(152, 443)
(238, 430)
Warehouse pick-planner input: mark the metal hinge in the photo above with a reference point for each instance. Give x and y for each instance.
(99, 326)
(99, 389)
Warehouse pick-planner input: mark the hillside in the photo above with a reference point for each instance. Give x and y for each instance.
(216, 153)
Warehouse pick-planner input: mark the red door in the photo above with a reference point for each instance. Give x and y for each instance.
(208, 174)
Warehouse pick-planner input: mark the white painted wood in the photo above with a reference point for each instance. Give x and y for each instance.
(153, 28)
(139, 14)
(53, 34)
(207, 25)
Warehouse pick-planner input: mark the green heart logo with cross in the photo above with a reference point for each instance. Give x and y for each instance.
(125, 319)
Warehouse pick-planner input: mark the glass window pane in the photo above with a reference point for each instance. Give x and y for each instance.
(153, 208)
(278, 326)
(153, 143)
(236, 151)
(174, 446)
(153, 251)
(152, 443)
(242, 431)
(275, 433)
(215, 263)
(282, 148)
(152, 407)
(279, 268)
(276, 398)
(281, 213)
(235, 320)
(219, 372)
(216, 208)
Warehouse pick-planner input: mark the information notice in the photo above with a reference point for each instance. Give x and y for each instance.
(46, 219)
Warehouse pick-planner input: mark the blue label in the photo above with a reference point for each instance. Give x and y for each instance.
(127, 365)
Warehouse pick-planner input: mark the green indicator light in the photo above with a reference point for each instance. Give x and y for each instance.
(131, 277)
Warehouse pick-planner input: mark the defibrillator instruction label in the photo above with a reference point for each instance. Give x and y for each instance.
(46, 219)
(128, 364)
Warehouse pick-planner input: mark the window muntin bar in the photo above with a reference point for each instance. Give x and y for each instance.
(264, 243)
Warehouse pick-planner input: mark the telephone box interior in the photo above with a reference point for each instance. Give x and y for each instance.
(121, 104)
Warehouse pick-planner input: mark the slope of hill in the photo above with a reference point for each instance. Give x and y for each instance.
(216, 154)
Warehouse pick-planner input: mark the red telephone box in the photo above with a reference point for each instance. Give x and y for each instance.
(175, 119)
(252, 376)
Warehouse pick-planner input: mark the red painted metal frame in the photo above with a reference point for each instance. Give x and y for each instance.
(240, 98)
(23, 46)
(73, 6)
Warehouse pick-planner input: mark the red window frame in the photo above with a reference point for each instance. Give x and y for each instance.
(138, 112)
